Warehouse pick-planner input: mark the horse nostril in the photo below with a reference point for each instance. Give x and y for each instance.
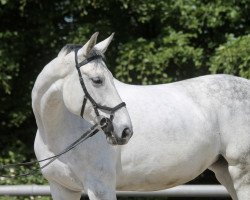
(126, 132)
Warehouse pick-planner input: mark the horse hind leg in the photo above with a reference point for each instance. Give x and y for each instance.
(220, 169)
(240, 173)
(238, 156)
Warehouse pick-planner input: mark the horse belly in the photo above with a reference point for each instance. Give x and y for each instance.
(168, 149)
(172, 164)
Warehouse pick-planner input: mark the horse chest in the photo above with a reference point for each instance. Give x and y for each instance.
(57, 171)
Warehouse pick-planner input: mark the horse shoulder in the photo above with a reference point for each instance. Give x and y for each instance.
(56, 171)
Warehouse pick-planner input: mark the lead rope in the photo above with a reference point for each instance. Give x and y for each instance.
(89, 133)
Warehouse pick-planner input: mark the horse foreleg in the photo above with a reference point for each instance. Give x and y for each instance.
(60, 192)
(98, 189)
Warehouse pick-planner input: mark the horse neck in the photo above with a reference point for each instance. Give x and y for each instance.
(51, 73)
(47, 102)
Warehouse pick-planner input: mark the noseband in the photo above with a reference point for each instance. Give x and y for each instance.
(104, 122)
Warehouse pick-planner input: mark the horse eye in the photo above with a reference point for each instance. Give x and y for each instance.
(96, 80)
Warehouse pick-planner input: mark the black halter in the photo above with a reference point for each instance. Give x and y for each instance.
(106, 123)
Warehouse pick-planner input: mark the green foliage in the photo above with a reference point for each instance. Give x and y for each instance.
(159, 61)
(17, 152)
(16, 157)
(233, 57)
(155, 42)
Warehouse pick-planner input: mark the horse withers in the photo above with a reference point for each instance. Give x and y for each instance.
(180, 129)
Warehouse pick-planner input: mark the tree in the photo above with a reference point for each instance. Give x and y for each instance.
(155, 42)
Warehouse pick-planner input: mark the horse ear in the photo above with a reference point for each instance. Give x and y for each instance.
(102, 46)
(89, 45)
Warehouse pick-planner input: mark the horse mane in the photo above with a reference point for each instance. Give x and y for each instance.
(68, 48)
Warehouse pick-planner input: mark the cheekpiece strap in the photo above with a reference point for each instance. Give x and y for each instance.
(83, 106)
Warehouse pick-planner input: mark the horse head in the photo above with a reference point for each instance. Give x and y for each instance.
(89, 90)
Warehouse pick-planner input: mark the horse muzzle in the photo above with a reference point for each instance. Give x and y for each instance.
(113, 139)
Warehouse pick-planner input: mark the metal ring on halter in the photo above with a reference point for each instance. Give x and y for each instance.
(105, 124)
(101, 121)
